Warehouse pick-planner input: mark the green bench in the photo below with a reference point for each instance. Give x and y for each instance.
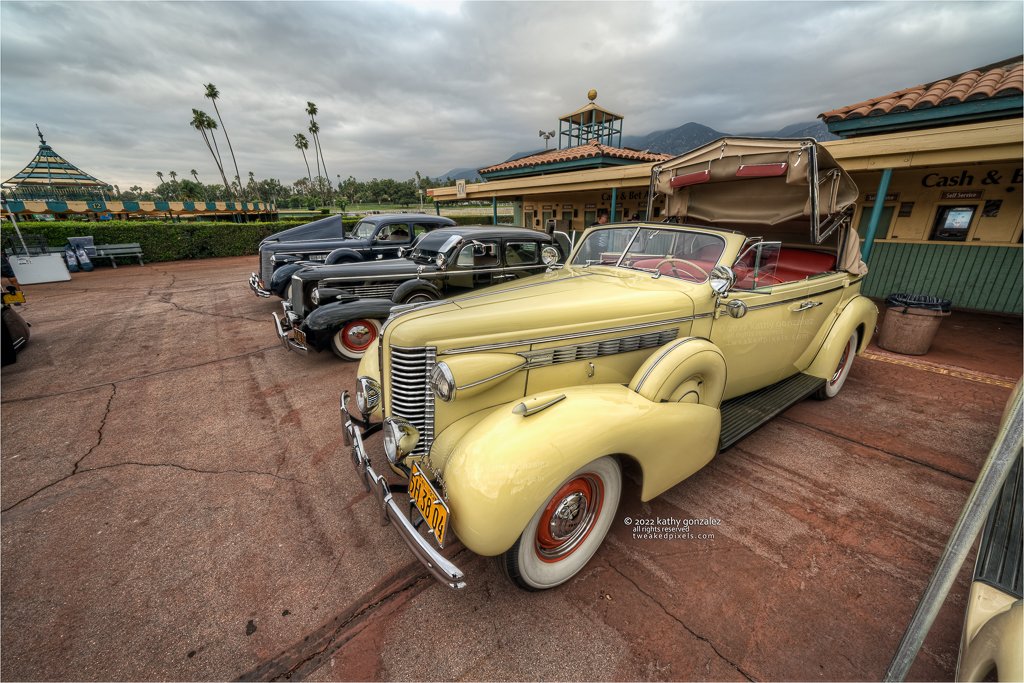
(115, 251)
(107, 251)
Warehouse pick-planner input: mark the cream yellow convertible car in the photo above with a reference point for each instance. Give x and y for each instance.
(511, 411)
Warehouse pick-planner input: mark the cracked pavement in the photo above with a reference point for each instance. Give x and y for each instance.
(176, 506)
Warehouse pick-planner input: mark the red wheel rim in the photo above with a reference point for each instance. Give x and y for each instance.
(842, 364)
(358, 335)
(569, 517)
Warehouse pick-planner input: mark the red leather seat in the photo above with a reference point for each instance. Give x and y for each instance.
(794, 265)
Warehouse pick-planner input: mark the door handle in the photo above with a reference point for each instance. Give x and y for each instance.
(506, 276)
(805, 306)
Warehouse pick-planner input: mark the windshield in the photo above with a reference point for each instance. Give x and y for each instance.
(363, 230)
(683, 254)
(430, 245)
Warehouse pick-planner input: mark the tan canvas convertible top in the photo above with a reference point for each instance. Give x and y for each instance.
(761, 182)
(754, 181)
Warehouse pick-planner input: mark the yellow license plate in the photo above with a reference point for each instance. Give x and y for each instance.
(429, 503)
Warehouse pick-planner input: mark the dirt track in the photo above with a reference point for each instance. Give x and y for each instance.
(176, 505)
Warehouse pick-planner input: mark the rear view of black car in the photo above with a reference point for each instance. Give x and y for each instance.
(374, 237)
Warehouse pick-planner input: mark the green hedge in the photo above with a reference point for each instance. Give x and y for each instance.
(164, 241)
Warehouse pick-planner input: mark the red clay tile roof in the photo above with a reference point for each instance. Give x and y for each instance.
(1002, 79)
(587, 151)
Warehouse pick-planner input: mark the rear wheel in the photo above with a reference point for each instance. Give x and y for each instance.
(838, 379)
(567, 529)
(354, 337)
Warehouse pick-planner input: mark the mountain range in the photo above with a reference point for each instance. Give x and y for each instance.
(675, 141)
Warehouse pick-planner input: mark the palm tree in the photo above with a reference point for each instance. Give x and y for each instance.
(195, 174)
(202, 122)
(212, 93)
(302, 144)
(174, 183)
(160, 175)
(314, 128)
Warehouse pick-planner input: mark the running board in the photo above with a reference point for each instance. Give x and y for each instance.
(744, 414)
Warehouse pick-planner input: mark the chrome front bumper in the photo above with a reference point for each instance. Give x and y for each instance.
(291, 336)
(256, 286)
(390, 508)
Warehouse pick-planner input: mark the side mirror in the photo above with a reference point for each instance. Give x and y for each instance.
(403, 252)
(722, 280)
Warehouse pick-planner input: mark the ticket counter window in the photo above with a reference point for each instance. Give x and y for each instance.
(952, 223)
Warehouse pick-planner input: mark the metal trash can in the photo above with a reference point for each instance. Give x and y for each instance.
(911, 322)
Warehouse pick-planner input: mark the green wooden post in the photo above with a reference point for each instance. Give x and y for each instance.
(615, 200)
(437, 207)
(494, 210)
(876, 214)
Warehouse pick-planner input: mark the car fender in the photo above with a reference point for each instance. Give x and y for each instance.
(691, 369)
(859, 315)
(344, 254)
(324, 322)
(283, 275)
(504, 467)
(410, 286)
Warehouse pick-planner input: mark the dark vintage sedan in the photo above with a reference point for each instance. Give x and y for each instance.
(374, 237)
(341, 307)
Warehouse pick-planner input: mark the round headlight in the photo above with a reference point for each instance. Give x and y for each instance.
(400, 438)
(442, 382)
(549, 255)
(367, 395)
(315, 296)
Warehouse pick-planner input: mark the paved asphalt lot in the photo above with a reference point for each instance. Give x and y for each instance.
(176, 505)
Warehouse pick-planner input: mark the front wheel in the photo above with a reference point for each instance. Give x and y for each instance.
(354, 337)
(567, 529)
(838, 379)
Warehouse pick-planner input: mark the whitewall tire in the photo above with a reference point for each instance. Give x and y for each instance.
(567, 529)
(354, 337)
(842, 371)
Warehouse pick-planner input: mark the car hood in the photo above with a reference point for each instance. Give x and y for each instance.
(570, 302)
(388, 268)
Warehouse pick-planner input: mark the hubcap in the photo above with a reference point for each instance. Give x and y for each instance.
(569, 517)
(358, 335)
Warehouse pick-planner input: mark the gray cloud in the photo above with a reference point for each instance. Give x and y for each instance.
(419, 86)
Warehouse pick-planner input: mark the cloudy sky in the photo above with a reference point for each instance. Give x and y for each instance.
(430, 86)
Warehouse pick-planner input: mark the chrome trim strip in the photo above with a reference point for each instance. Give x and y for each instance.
(575, 335)
(791, 299)
(539, 267)
(493, 377)
(661, 357)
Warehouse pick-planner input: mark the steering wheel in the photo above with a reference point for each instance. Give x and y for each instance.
(687, 264)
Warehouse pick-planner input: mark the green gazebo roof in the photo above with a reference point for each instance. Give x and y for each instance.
(51, 175)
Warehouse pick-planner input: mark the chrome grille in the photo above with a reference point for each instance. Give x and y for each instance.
(367, 291)
(298, 297)
(266, 267)
(409, 395)
(608, 347)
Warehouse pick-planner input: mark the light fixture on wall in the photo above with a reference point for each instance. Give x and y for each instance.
(547, 136)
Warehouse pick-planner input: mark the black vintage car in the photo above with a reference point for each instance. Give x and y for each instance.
(374, 237)
(342, 306)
